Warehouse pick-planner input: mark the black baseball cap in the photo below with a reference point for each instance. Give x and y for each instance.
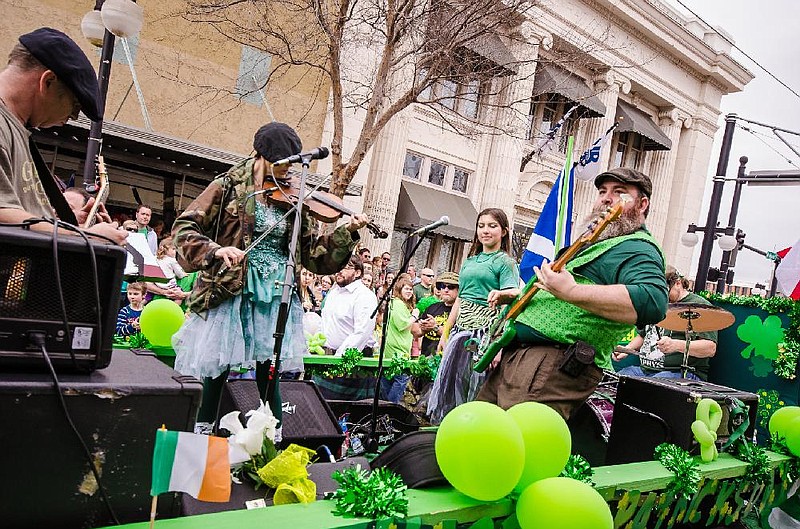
(59, 53)
(627, 176)
(275, 141)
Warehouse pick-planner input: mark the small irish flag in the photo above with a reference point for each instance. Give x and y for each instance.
(195, 464)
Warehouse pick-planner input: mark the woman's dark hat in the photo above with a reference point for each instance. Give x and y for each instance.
(59, 53)
(275, 141)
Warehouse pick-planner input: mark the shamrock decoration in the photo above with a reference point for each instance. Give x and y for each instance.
(763, 337)
(769, 401)
(760, 367)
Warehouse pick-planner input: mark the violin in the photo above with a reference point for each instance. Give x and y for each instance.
(323, 206)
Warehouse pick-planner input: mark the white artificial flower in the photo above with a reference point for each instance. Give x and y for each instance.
(260, 423)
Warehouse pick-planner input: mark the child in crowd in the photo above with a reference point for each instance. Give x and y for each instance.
(128, 317)
(169, 265)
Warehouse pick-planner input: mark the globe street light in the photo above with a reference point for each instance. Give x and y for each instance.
(109, 18)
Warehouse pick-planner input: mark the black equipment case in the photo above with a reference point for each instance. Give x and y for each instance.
(46, 480)
(650, 411)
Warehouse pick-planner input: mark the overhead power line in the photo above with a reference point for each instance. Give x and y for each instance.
(729, 41)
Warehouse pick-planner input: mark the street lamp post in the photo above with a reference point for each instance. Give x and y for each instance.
(103, 75)
(110, 18)
(727, 260)
(713, 208)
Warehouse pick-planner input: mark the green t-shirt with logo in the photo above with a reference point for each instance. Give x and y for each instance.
(482, 273)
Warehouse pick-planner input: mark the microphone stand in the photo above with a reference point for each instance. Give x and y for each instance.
(287, 288)
(372, 443)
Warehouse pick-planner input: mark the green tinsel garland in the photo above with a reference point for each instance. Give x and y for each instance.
(377, 494)
(779, 445)
(424, 368)
(685, 467)
(347, 366)
(758, 469)
(785, 366)
(578, 468)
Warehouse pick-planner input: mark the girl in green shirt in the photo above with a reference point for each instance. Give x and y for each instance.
(489, 268)
(402, 317)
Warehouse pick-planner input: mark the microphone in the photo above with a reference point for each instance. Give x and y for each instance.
(444, 221)
(314, 154)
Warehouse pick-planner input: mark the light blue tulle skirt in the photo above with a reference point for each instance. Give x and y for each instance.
(239, 332)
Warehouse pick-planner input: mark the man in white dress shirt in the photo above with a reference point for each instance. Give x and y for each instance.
(347, 320)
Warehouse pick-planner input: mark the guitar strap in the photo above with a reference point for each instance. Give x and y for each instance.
(51, 188)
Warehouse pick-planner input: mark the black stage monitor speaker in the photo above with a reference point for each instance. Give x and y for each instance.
(45, 478)
(651, 411)
(30, 303)
(307, 419)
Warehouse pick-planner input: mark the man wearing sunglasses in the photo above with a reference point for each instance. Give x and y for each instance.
(433, 319)
(424, 288)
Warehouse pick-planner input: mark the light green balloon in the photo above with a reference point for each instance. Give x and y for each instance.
(792, 434)
(480, 450)
(562, 503)
(781, 419)
(160, 319)
(547, 441)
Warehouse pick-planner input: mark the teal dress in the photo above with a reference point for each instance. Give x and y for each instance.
(239, 332)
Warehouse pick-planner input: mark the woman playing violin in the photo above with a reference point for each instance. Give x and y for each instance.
(233, 312)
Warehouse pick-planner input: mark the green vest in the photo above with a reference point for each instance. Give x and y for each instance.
(547, 314)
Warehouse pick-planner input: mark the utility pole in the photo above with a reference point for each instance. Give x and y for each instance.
(716, 199)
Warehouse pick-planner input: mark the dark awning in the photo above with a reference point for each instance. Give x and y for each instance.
(490, 46)
(151, 152)
(552, 79)
(420, 205)
(631, 119)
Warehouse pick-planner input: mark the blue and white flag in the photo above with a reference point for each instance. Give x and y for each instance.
(588, 166)
(543, 244)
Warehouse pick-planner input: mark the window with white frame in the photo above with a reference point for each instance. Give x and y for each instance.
(461, 94)
(412, 167)
(546, 110)
(629, 150)
(438, 173)
(460, 179)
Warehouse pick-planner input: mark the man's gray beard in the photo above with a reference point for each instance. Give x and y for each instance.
(625, 224)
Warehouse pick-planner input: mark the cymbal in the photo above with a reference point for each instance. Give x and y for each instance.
(703, 318)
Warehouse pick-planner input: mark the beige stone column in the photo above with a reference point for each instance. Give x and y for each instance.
(511, 121)
(662, 173)
(382, 188)
(607, 87)
(691, 172)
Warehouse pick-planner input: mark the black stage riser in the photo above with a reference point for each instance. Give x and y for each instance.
(117, 411)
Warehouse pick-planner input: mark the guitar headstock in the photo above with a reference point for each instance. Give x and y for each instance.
(102, 174)
(600, 223)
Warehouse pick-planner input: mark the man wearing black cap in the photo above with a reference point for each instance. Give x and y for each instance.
(565, 336)
(234, 312)
(47, 81)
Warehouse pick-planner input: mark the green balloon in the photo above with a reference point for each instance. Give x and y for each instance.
(547, 441)
(480, 450)
(792, 435)
(160, 319)
(562, 503)
(781, 418)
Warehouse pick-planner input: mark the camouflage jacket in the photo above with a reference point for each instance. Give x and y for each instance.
(223, 216)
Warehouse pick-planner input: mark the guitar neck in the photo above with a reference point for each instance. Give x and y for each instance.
(99, 199)
(531, 289)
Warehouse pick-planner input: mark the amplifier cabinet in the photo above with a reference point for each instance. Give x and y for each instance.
(650, 411)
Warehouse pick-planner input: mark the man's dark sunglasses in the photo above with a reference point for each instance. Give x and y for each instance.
(448, 286)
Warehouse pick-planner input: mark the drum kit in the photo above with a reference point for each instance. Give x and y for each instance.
(695, 317)
(688, 318)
